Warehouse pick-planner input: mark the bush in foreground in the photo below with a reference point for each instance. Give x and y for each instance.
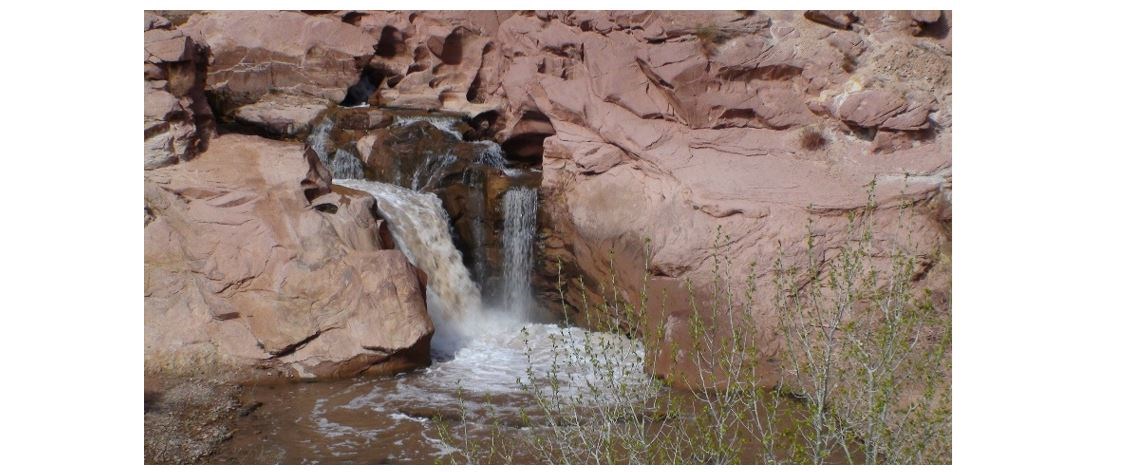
(865, 379)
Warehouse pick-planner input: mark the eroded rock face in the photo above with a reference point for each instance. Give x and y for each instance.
(253, 53)
(252, 259)
(178, 121)
(408, 60)
(677, 129)
(282, 116)
(671, 127)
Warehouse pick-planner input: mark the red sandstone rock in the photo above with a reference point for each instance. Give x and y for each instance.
(243, 269)
(926, 16)
(871, 108)
(648, 118)
(178, 120)
(282, 115)
(155, 21)
(842, 19)
(883, 109)
(253, 53)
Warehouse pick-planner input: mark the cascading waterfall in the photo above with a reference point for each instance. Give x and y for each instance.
(520, 206)
(420, 227)
(422, 230)
(480, 350)
(491, 154)
(342, 163)
(442, 123)
(319, 140)
(346, 165)
(429, 173)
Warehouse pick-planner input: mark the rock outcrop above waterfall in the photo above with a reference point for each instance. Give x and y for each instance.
(433, 61)
(254, 260)
(178, 120)
(256, 53)
(281, 116)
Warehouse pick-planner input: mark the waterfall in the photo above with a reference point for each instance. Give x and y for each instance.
(319, 141)
(491, 154)
(429, 173)
(520, 206)
(419, 226)
(442, 123)
(341, 163)
(346, 166)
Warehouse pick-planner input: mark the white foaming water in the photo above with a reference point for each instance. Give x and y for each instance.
(319, 141)
(341, 163)
(520, 207)
(419, 226)
(491, 154)
(494, 364)
(442, 123)
(346, 165)
(482, 379)
(428, 174)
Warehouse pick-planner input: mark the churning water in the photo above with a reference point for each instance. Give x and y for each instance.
(447, 124)
(393, 420)
(420, 227)
(429, 173)
(481, 353)
(342, 163)
(346, 165)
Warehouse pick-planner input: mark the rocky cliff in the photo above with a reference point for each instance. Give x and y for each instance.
(252, 259)
(669, 128)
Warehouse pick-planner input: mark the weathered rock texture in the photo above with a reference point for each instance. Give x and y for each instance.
(680, 127)
(281, 116)
(670, 127)
(178, 121)
(252, 259)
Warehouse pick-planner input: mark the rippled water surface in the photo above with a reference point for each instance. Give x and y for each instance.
(392, 420)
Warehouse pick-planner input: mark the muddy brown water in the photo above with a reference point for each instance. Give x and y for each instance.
(393, 420)
(398, 420)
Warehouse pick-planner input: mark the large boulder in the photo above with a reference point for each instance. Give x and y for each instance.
(255, 53)
(281, 116)
(438, 61)
(252, 259)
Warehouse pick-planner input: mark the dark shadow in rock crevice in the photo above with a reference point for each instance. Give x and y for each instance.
(453, 48)
(937, 30)
(370, 80)
(353, 17)
(391, 43)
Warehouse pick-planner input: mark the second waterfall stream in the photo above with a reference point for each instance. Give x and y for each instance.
(419, 225)
(481, 349)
